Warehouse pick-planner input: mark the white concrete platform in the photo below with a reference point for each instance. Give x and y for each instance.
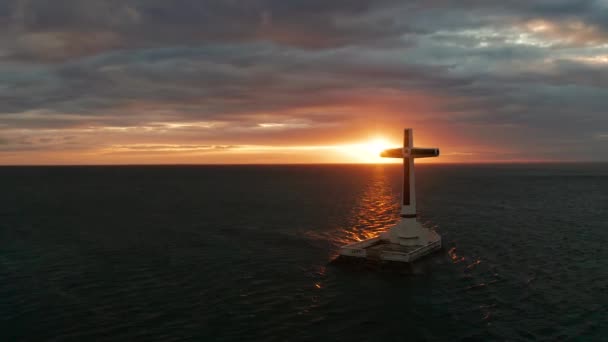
(378, 249)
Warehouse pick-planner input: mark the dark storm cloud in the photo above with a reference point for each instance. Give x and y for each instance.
(212, 83)
(90, 63)
(61, 29)
(42, 27)
(228, 80)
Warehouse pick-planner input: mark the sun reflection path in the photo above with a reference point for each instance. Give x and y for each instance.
(375, 211)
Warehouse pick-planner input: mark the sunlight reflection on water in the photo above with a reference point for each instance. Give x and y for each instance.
(375, 211)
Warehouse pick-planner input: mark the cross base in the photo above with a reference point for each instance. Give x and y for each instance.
(405, 242)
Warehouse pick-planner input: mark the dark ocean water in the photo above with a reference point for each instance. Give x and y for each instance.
(242, 253)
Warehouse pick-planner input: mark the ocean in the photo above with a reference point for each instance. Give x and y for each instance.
(244, 253)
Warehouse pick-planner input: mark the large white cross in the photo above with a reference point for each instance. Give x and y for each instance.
(409, 153)
(407, 240)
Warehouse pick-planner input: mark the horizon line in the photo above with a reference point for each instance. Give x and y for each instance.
(536, 162)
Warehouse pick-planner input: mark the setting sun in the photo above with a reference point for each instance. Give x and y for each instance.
(369, 151)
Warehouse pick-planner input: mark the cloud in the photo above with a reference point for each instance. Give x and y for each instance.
(265, 72)
(601, 136)
(63, 25)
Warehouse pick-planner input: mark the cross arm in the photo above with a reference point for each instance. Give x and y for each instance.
(416, 152)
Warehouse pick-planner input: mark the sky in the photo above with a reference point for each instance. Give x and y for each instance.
(301, 81)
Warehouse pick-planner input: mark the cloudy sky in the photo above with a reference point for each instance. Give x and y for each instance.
(263, 81)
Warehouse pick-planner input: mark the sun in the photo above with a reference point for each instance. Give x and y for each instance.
(369, 151)
(376, 145)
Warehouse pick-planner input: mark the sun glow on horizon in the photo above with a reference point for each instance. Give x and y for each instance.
(363, 151)
(359, 152)
(369, 151)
